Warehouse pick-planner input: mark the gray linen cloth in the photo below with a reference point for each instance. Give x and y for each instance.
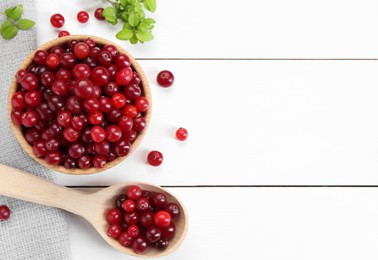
(33, 231)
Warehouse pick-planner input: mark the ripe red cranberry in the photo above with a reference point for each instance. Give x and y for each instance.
(69, 163)
(57, 20)
(75, 150)
(130, 111)
(142, 104)
(98, 134)
(153, 234)
(84, 162)
(96, 118)
(4, 212)
(33, 98)
(81, 70)
(113, 133)
(173, 209)
(140, 245)
(111, 89)
(147, 219)
(29, 81)
(52, 61)
(99, 161)
(57, 50)
(119, 201)
(40, 57)
(114, 216)
(132, 91)
(64, 118)
(111, 49)
(67, 61)
(16, 117)
(81, 50)
(90, 42)
(165, 78)
(18, 100)
(60, 87)
(114, 230)
(124, 76)
(142, 204)
(32, 135)
(121, 148)
(82, 16)
(181, 134)
(63, 33)
(52, 144)
(131, 217)
(134, 192)
(91, 105)
(128, 205)
(133, 231)
(139, 123)
(30, 118)
(55, 103)
(105, 104)
(168, 232)
(83, 88)
(98, 14)
(54, 158)
(162, 219)
(47, 78)
(71, 134)
(159, 200)
(39, 148)
(125, 123)
(122, 61)
(113, 115)
(102, 148)
(155, 158)
(162, 244)
(100, 76)
(104, 58)
(125, 240)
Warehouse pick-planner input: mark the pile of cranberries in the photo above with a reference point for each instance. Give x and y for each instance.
(80, 105)
(142, 218)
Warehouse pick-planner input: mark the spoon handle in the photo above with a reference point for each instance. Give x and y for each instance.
(23, 186)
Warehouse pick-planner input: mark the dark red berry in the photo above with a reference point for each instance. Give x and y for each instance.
(30, 118)
(140, 245)
(114, 216)
(54, 158)
(165, 78)
(63, 33)
(81, 50)
(98, 14)
(162, 219)
(125, 240)
(133, 231)
(155, 158)
(114, 230)
(181, 134)
(134, 192)
(159, 200)
(57, 20)
(98, 134)
(162, 244)
(4, 212)
(142, 104)
(99, 161)
(153, 234)
(173, 209)
(124, 76)
(128, 205)
(82, 16)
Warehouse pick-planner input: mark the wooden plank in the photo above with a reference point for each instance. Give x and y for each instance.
(258, 122)
(260, 223)
(238, 29)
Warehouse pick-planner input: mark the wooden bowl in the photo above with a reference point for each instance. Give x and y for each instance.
(17, 130)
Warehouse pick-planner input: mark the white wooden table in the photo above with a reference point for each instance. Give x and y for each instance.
(280, 101)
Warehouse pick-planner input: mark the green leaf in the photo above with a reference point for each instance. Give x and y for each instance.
(25, 24)
(150, 5)
(9, 32)
(133, 19)
(5, 25)
(108, 12)
(142, 27)
(14, 12)
(124, 3)
(141, 15)
(144, 36)
(125, 17)
(134, 39)
(124, 34)
(149, 21)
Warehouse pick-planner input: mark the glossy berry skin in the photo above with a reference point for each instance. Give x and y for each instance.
(69, 163)
(81, 50)
(114, 230)
(125, 240)
(18, 100)
(63, 33)
(98, 14)
(133, 231)
(75, 150)
(155, 158)
(121, 148)
(104, 58)
(165, 78)
(99, 161)
(119, 201)
(130, 111)
(100, 76)
(54, 158)
(118, 100)
(84, 162)
(181, 134)
(140, 245)
(81, 70)
(96, 118)
(33, 98)
(57, 20)
(131, 217)
(162, 219)
(98, 134)
(60, 87)
(40, 57)
(173, 209)
(168, 232)
(122, 61)
(29, 81)
(16, 117)
(113, 133)
(142, 204)
(125, 123)
(141, 104)
(147, 219)
(52, 61)
(134, 192)
(162, 244)
(39, 149)
(83, 88)
(30, 118)
(159, 200)
(124, 76)
(128, 205)
(64, 118)
(114, 216)
(4, 212)
(82, 16)
(153, 234)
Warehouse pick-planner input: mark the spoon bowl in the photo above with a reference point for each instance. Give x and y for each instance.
(91, 206)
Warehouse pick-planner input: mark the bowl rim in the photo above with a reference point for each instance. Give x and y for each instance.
(17, 130)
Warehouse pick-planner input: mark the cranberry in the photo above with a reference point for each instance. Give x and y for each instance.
(96, 118)
(162, 218)
(114, 115)
(39, 148)
(122, 61)
(133, 231)
(57, 50)
(19, 75)
(90, 42)
(147, 219)
(52, 144)
(55, 103)
(130, 111)
(114, 216)
(67, 61)
(169, 231)
(111, 89)
(57, 20)
(113, 133)
(112, 68)
(69, 163)
(96, 92)
(98, 14)
(105, 104)
(33, 98)
(30, 118)
(125, 123)
(131, 217)
(82, 16)
(32, 135)
(100, 76)
(98, 134)
(52, 61)
(159, 200)
(142, 104)
(122, 147)
(91, 105)
(104, 58)
(64, 118)
(153, 234)
(162, 244)
(55, 129)
(40, 57)
(165, 78)
(134, 192)
(128, 205)
(47, 78)
(181, 134)
(83, 88)
(139, 123)
(75, 150)
(155, 158)
(4, 212)
(124, 76)
(132, 91)
(114, 230)
(29, 81)
(60, 87)
(142, 204)
(140, 245)
(119, 200)
(125, 240)
(173, 209)
(84, 162)
(99, 161)
(111, 49)
(16, 117)
(18, 100)
(81, 70)
(63, 33)
(54, 158)
(81, 50)
(102, 148)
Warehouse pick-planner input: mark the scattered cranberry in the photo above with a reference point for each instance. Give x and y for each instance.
(155, 158)
(4, 212)
(80, 105)
(63, 33)
(165, 78)
(57, 20)
(82, 16)
(98, 14)
(142, 224)
(181, 134)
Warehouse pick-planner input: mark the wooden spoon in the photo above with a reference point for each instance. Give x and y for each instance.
(91, 206)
